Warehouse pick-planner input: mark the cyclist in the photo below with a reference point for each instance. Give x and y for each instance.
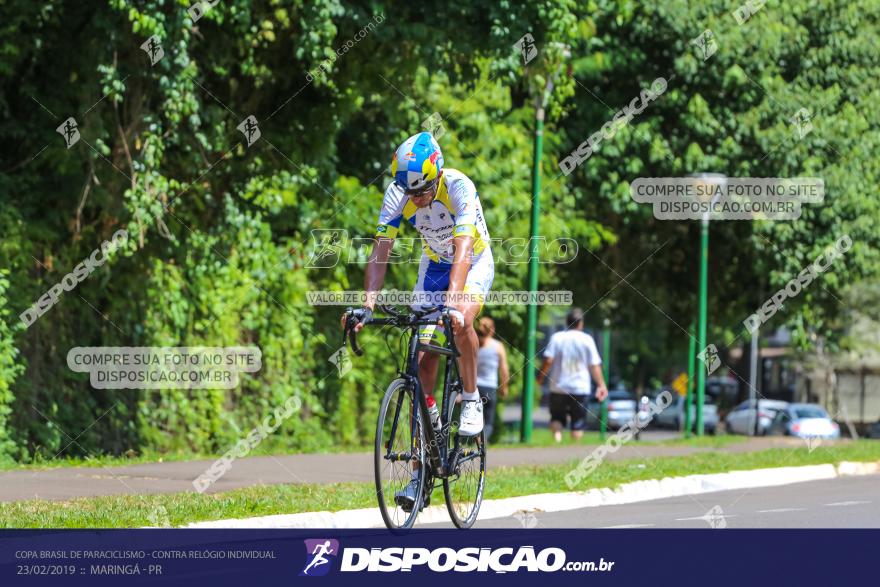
(443, 205)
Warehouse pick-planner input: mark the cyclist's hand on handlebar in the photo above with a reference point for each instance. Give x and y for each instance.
(363, 316)
(457, 319)
(358, 315)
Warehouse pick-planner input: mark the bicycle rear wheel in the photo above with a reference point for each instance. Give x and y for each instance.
(466, 458)
(399, 447)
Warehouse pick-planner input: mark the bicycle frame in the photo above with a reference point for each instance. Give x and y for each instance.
(437, 449)
(437, 445)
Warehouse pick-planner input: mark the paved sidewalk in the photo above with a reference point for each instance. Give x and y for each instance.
(150, 478)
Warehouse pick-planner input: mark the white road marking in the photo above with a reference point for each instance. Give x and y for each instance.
(626, 526)
(845, 503)
(780, 510)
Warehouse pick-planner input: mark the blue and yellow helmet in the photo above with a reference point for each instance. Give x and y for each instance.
(417, 163)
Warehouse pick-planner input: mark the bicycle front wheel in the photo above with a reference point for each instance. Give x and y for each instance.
(399, 452)
(466, 457)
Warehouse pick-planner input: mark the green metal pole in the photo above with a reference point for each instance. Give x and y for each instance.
(606, 372)
(532, 323)
(701, 343)
(689, 396)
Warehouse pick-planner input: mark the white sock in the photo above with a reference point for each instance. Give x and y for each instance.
(470, 396)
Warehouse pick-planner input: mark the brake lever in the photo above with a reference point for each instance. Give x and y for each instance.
(349, 334)
(348, 317)
(355, 347)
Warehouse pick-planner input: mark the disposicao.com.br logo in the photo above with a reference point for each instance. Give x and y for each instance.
(440, 560)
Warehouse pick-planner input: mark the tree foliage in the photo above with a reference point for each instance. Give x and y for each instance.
(222, 233)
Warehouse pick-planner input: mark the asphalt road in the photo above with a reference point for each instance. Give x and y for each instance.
(149, 478)
(169, 477)
(848, 502)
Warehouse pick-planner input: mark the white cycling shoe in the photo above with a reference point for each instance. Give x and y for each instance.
(471, 420)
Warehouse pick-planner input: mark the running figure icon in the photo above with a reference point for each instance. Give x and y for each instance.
(319, 555)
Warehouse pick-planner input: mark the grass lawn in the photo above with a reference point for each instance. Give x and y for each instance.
(181, 508)
(543, 437)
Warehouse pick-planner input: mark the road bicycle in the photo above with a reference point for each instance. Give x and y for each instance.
(406, 441)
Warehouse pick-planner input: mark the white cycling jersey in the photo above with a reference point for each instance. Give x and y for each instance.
(455, 211)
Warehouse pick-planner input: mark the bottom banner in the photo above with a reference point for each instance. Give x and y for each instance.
(575, 557)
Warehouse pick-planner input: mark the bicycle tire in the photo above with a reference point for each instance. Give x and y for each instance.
(463, 504)
(398, 403)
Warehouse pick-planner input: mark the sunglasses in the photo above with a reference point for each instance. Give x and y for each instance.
(420, 192)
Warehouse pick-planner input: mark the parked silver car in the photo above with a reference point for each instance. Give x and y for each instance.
(804, 421)
(621, 409)
(673, 416)
(741, 420)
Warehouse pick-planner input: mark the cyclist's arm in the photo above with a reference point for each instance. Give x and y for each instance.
(461, 265)
(390, 216)
(463, 197)
(375, 275)
(376, 267)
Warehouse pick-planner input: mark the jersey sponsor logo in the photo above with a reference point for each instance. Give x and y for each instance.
(435, 229)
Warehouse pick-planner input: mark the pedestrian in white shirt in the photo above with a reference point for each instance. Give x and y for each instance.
(571, 362)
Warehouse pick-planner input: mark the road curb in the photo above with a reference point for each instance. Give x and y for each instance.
(555, 502)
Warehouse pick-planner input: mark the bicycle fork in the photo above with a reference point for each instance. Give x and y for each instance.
(431, 437)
